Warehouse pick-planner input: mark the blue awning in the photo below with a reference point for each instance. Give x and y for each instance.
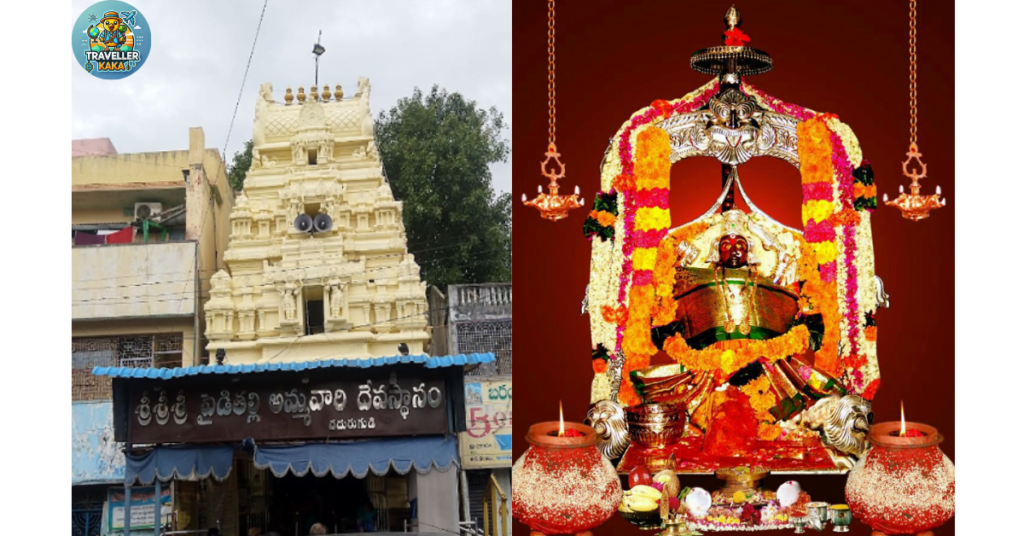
(171, 373)
(181, 463)
(359, 457)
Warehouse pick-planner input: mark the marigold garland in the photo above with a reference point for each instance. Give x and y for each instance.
(729, 361)
(665, 273)
(761, 398)
(664, 281)
(651, 168)
(625, 183)
(835, 270)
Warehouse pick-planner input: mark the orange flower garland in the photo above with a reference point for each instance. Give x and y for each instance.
(647, 278)
(725, 362)
(665, 273)
(761, 398)
(664, 281)
(817, 267)
(651, 170)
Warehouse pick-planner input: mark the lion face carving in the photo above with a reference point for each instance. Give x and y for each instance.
(609, 421)
(843, 422)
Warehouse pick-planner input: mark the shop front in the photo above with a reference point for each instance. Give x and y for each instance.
(485, 450)
(356, 445)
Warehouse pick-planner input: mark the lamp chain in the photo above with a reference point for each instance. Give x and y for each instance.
(913, 73)
(551, 72)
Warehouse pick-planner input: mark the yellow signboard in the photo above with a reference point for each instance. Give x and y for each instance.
(487, 443)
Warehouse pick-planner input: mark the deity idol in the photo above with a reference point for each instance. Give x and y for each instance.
(771, 329)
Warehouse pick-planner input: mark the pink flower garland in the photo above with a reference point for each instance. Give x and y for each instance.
(852, 310)
(828, 271)
(648, 239)
(823, 231)
(843, 168)
(818, 191)
(844, 171)
(814, 231)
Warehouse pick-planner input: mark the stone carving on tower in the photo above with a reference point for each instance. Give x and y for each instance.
(317, 263)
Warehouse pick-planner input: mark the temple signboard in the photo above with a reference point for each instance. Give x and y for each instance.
(319, 404)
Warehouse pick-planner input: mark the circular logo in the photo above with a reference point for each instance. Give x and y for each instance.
(111, 39)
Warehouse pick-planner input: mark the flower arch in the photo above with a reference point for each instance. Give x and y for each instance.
(631, 220)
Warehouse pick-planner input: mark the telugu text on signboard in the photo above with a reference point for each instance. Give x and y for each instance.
(337, 404)
(487, 442)
(143, 508)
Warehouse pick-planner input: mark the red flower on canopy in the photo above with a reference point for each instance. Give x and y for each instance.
(664, 107)
(736, 38)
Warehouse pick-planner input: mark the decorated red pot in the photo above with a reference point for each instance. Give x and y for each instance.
(903, 485)
(564, 485)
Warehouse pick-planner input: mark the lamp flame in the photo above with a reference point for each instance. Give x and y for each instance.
(903, 421)
(914, 205)
(553, 206)
(561, 421)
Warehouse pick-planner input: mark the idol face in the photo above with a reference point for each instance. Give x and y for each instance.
(732, 251)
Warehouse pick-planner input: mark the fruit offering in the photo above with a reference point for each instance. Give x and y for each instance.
(640, 499)
(669, 481)
(640, 476)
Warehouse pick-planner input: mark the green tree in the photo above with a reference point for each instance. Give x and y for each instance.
(437, 149)
(239, 167)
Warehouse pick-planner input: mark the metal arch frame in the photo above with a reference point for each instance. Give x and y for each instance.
(714, 131)
(706, 133)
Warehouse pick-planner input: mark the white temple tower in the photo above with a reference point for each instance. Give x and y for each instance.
(351, 291)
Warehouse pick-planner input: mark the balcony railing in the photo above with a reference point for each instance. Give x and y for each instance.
(488, 301)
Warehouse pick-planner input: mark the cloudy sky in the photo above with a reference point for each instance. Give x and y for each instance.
(199, 52)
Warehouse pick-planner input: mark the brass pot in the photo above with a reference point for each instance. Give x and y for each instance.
(656, 425)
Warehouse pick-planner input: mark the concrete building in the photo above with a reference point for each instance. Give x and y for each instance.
(147, 233)
(479, 319)
(323, 405)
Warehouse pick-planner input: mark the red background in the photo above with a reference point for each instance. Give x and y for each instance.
(844, 57)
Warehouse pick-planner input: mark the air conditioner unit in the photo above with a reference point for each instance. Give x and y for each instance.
(147, 210)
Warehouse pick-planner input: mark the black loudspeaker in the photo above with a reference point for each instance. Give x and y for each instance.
(322, 223)
(304, 223)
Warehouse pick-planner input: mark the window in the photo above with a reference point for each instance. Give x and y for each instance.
(162, 351)
(312, 156)
(487, 336)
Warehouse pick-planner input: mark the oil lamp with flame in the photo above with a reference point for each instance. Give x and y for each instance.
(553, 206)
(563, 484)
(904, 484)
(915, 207)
